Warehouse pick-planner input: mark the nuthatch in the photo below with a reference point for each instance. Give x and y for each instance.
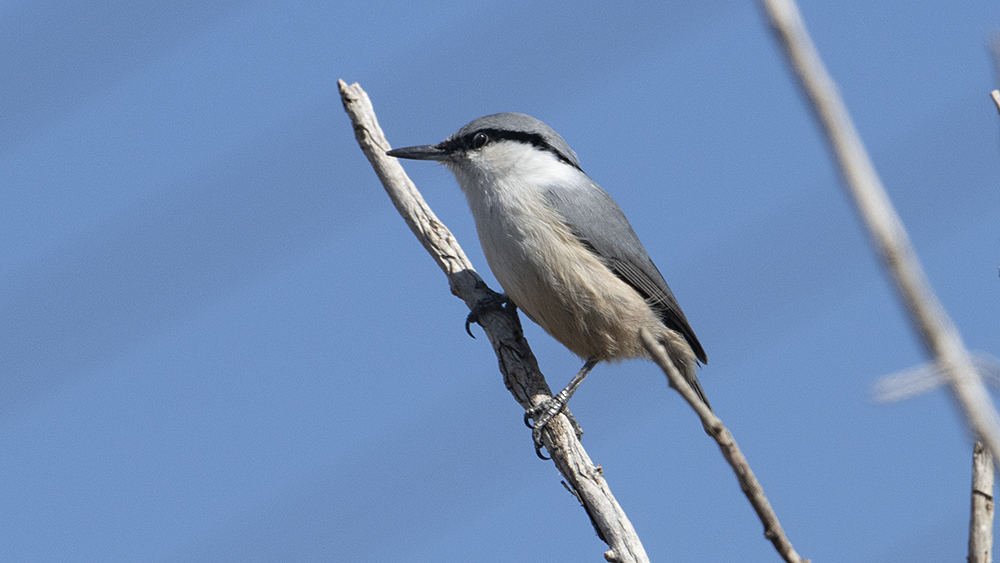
(562, 249)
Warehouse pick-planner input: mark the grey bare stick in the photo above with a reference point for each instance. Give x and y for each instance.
(981, 518)
(730, 450)
(517, 363)
(938, 334)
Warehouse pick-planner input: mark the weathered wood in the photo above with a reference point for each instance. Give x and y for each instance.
(981, 518)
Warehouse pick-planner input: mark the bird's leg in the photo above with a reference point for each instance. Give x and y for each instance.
(542, 413)
(494, 301)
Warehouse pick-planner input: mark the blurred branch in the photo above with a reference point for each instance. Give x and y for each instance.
(886, 232)
(517, 363)
(927, 376)
(981, 519)
(730, 450)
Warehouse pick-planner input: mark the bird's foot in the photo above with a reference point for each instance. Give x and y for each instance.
(538, 416)
(545, 411)
(494, 302)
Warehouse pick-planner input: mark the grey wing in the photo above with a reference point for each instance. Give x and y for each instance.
(597, 220)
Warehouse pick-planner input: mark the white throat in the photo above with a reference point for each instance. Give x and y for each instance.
(509, 169)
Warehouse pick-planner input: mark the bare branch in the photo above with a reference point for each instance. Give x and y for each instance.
(981, 520)
(730, 450)
(886, 232)
(517, 363)
(928, 376)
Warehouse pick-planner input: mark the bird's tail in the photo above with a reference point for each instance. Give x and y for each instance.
(684, 359)
(692, 379)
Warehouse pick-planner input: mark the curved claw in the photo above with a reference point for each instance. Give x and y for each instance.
(472, 318)
(536, 436)
(495, 301)
(541, 414)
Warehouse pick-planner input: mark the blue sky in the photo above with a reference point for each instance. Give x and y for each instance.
(221, 343)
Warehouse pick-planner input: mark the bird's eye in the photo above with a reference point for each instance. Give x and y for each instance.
(479, 140)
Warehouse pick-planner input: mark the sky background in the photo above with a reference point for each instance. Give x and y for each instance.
(220, 342)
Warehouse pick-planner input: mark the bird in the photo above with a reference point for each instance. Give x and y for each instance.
(562, 249)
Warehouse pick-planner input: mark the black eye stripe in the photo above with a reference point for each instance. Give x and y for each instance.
(469, 141)
(499, 135)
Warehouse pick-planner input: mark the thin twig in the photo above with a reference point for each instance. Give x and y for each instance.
(886, 232)
(730, 450)
(981, 519)
(517, 363)
(927, 376)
